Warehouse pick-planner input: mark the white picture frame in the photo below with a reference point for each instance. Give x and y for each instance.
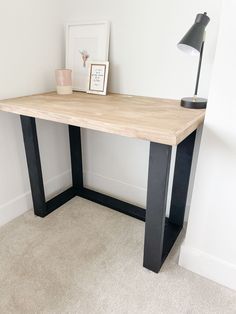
(85, 41)
(97, 78)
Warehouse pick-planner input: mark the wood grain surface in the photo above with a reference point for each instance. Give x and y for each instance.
(152, 119)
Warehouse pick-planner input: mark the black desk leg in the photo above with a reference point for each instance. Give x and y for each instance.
(34, 165)
(76, 157)
(182, 172)
(42, 207)
(161, 232)
(158, 176)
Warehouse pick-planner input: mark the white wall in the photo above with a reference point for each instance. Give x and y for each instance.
(209, 248)
(32, 47)
(144, 61)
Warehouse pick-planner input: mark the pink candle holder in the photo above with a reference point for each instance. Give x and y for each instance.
(64, 81)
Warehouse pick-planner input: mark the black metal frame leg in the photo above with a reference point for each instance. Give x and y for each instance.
(161, 232)
(34, 165)
(76, 157)
(158, 176)
(183, 163)
(41, 207)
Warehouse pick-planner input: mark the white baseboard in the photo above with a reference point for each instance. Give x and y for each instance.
(126, 192)
(208, 266)
(23, 202)
(115, 188)
(119, 189)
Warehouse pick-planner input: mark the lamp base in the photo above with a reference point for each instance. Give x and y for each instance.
(194, 103)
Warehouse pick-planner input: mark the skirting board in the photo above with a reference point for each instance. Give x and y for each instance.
(115, 188)
(126, 192)
(208, 266)
(23, 202)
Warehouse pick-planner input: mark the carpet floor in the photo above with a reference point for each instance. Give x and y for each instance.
(85, 258)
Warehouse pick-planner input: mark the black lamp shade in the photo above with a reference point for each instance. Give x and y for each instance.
(192, 41)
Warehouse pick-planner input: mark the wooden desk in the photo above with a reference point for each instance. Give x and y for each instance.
(162, 122)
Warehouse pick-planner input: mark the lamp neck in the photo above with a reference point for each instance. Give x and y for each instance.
(199, 69)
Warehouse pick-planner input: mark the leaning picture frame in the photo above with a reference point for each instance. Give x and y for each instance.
(97, 78)
(85, 41)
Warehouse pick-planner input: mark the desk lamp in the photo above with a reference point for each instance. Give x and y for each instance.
(193, 44)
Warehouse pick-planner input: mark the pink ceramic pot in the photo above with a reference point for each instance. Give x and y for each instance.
(64, 81)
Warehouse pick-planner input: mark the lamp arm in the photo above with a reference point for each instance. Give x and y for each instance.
(199, 69)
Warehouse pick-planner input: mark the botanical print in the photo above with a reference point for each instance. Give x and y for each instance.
(85, 56)
(83, 50)
(85, 42)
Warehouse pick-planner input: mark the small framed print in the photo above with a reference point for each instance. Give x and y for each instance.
(98, 75)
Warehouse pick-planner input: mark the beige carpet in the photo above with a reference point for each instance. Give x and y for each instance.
(85, 258)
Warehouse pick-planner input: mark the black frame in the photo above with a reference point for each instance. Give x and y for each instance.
(160, 232)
